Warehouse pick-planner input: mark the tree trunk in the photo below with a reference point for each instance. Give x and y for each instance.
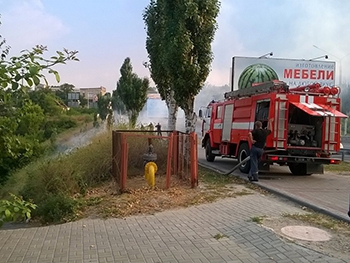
(190, 126)
(172, 111)
(132, 119)
(190, 120)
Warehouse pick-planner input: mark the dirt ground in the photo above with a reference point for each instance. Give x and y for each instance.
(139, 198)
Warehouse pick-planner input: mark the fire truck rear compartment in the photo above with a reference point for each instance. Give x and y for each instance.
(304, 134)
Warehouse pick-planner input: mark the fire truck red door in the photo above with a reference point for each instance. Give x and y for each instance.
(227, 123)
(206, 119)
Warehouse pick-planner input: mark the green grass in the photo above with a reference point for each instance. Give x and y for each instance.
(258, 219)
(219, 236)
(322, 221)
(341, 167)
(215, 179)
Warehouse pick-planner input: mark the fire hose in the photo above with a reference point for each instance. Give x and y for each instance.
(244, 161)
(238, 165)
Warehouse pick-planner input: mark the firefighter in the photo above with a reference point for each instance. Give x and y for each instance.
(159, 129)
(258, 140)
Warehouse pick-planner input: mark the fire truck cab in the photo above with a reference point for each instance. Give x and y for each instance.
(305, 133)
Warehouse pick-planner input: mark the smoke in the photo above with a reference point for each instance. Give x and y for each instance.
(207, 94)
(79, 140)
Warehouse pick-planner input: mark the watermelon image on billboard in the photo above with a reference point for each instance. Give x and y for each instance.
(246, 71)
(256, 73)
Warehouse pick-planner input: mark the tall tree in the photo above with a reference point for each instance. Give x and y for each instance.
(103, 103)
(188, 28)
(154, 19)
(117, 103)
(63, 92)
(132, 90)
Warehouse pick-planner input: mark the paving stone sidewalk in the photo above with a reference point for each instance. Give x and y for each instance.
(181, 235)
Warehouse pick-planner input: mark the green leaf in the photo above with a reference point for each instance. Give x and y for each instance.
(14, 85)
(17, 77)
(30, 82)
(16, 209)
(57, 76)
(33, 70)
(36, 80)
(7, 214)
(28, 215)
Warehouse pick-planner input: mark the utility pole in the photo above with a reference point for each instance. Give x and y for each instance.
(340, 64)
(340, 81)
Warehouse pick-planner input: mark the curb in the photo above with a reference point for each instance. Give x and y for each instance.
(291, 198)
(305, 203)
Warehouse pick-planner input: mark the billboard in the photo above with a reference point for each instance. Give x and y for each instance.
(248, 70)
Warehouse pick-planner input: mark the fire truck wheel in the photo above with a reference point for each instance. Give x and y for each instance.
(208, 152)
(298, 168)
(244, 152)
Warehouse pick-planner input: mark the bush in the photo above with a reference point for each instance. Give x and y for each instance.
(15, 209)
(51, 177)
(94, 162)
(49, 182)
(56, 208)
(57, 125)
(79, 111)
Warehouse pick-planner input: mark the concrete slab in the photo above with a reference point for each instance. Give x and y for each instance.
(307, 233)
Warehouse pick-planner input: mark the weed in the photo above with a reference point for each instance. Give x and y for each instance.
(93, 201)
(258, 219)
(216, 179)
(56, 208)
(219, 236)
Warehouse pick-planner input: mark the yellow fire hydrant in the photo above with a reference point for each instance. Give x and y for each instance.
(150, 173)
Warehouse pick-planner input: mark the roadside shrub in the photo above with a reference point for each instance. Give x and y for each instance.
(79, 111)
(51, 181)
(65, 122)
(58, 124)
(56, 208)
(15, 209)
(94, 161)
(53, 177)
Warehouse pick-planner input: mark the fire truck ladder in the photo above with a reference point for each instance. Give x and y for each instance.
(281, 123)
(331, 133)
(260, 88)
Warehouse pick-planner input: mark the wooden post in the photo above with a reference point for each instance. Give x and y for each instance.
(182, 155)
(117, 156)
(194, 160)
(124, 164)
(175, 152)
(169, 162)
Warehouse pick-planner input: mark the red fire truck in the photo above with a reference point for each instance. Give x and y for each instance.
(305, 133)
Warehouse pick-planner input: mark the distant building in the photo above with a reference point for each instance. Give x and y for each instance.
(73, 99)
(91, 94)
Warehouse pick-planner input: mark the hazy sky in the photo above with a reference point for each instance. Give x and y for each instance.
(105, 32)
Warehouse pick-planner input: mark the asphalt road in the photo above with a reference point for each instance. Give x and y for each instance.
(326, 193)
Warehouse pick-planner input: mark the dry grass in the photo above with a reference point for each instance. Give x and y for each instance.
(106, 201)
